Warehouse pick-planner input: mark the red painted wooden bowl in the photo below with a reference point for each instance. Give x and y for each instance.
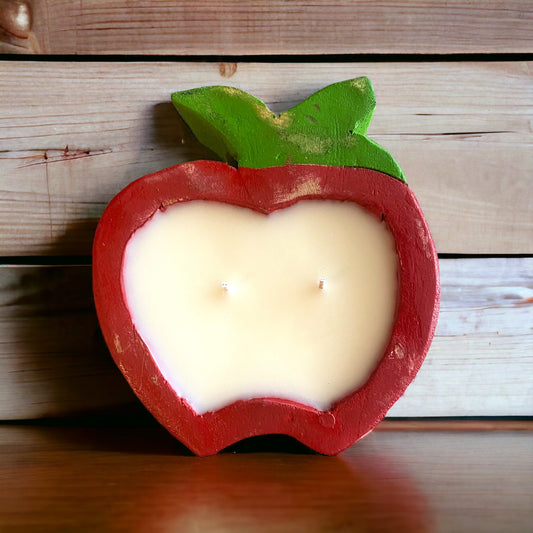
(350, 418)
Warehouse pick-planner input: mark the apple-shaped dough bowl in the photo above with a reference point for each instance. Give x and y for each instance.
(294, 293)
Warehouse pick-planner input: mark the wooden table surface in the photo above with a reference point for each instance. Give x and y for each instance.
(103, 479)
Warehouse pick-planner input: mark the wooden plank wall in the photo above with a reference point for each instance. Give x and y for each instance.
(74, 131)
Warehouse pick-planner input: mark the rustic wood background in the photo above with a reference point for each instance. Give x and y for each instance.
(85, 110)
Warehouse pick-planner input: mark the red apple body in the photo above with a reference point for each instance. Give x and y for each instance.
(266, 190)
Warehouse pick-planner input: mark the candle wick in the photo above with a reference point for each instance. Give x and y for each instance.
(321, 283)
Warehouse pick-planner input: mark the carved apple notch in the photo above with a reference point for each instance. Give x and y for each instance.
(296, 293)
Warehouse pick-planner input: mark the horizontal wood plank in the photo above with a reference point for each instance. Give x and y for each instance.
(73, 134)
(467, 425)
(235, 27)
(140, 479)
(53, 361)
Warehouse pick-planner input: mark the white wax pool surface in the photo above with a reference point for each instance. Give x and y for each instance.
(233, 304)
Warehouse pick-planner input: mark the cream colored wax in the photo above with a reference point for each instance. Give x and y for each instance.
(234, 304)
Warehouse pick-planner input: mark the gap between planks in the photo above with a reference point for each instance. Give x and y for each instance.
(391, 424)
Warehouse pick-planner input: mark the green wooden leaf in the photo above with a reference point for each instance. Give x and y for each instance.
(339, 109)
(328, 128)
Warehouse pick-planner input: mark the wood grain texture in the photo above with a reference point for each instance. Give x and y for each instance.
(484, 335)
(73, 134)
(139, 479)
(454, 424)
(53, 361)
(234, 27)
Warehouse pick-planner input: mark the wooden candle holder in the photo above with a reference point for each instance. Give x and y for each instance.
(316, 151)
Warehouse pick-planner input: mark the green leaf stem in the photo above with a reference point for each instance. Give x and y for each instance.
(328, 128)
